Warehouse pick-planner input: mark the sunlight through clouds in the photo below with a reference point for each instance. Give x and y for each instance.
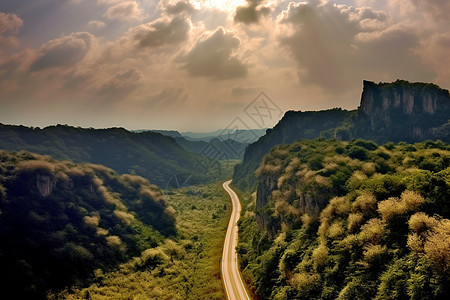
(308, 54)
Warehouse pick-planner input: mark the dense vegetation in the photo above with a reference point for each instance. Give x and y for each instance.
(349, 220)
(151, 155)
(60, 221)
(183, 267)
(293, 126)
(389, 112)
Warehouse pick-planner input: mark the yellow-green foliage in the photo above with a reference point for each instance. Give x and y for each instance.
(354, 221)
(364, 203)
(377, 214)
(372, 232)
(320, 255)
(185, 267)
(409, 202)
(69, 219)
(373, 253)
(304, 282)
(431, 237)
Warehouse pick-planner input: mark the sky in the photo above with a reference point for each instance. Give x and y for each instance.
(202, 65)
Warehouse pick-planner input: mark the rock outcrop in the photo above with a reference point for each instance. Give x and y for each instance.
(401, 111)
(44, 185)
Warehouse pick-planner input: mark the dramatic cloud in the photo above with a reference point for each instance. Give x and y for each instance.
(212, 57)
(64, 51)
(162, 32)
(126, 10)
(199, 60)
(251, 13)
(337, 45)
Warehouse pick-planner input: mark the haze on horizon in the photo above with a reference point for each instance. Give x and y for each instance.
(196, 65)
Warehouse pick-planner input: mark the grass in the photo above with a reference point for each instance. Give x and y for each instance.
(185, 267)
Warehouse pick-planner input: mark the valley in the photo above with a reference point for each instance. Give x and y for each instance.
(330, 204)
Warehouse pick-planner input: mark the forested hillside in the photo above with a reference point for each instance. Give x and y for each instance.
(388, 112)
(60, 221)
(349, 220)
(151, 155)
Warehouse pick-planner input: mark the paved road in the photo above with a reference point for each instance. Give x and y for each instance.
(230, 272)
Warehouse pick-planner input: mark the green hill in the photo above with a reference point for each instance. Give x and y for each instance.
(349, 220)
(151, 155)
(60, 221)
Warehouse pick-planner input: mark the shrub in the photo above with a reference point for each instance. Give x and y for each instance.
(354, 221)
(320, 255)
(373, 231)
(364, 203)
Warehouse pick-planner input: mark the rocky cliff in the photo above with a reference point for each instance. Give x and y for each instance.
(402, 111)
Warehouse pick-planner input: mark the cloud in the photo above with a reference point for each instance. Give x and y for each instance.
(64, 51)
(434, 51)
(251, 13)
(337, 45)
(108, 1)
(179, 7)
(127, 10)
(9, 23)
(211, 18)
(96, 24)
(437, 9)
(121, 84)
(162, 32)
(212, 57)
(9, 26)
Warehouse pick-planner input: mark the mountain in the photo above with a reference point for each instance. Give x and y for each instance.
(216, 147)
(153, 156)
(388, 112)
(240, 135)
(349, 220)
(400, 111)
(60, 221)
(171, 133)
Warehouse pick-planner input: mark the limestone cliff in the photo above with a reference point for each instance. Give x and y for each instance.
(401, 111)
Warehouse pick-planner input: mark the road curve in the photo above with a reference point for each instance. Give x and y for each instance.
(234, 285)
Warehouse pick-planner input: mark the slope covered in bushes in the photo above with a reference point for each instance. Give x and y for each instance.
(59, 221)
(151, 155)
(349, 220)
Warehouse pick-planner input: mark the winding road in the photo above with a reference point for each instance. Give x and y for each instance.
(234, 285)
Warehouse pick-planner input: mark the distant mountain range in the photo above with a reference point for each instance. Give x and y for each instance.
(222, 144)
(389, 112)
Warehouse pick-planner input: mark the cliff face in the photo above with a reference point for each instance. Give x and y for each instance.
(409, 98)
(44, 185)
(401, 111)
